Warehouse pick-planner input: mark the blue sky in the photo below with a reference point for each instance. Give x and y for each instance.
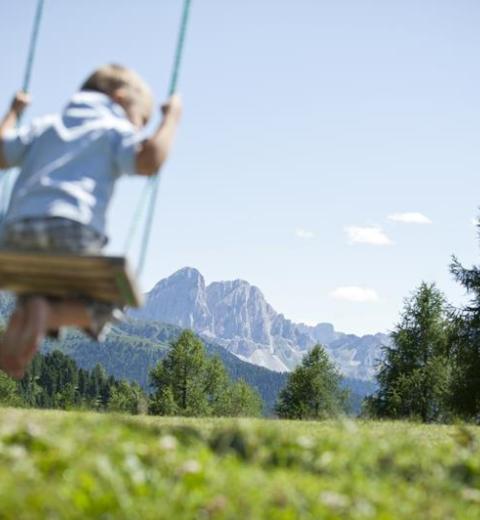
(310, 129)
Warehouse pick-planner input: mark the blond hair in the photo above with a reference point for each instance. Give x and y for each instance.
(112, 77)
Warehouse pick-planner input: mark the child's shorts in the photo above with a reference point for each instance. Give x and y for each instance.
(63, 235)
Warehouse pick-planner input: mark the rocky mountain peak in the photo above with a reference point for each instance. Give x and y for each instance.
(186, 276)
(180, 300)
(236, 315)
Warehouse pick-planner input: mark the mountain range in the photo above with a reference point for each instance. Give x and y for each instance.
(236, 315)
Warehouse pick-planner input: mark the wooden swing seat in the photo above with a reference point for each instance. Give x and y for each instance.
(104, 278)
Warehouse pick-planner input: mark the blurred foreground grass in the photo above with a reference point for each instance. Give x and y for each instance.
(56, 465)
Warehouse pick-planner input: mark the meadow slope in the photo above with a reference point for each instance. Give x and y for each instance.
(83, 465)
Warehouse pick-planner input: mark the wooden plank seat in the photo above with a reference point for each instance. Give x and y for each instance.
(103, 278)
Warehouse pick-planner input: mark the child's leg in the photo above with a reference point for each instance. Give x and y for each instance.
(26, 330)
(15, 326)
(29, 325)
(9, 360)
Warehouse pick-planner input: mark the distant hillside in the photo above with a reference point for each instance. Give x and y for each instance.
(132, 348)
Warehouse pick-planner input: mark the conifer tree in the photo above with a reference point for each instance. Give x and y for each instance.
(216, 387)
(187, 382)
(183, 370)
(163, 402)
(465, 344)
(313, 389)
(414, 376)
(243, 401)
(29, 388)
(127, 398)
(58, 378)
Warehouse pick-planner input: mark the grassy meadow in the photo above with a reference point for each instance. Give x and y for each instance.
(56, 465)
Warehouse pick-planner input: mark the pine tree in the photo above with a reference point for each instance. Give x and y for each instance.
(183, 370)
(187, 382)
(98, 387)
(414, 377)
(30, 390)
(58, 379)
(127, 398)
(465, 345)
(217, 385)
(313, 389)
(163, 402)
(242, 401)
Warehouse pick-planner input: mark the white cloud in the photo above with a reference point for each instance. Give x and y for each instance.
(303, 233)
(410, 218)
(367, 235)
(355, 294)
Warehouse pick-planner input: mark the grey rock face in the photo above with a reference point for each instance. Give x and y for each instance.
(251, 316)
(236, 315)
(180, 300)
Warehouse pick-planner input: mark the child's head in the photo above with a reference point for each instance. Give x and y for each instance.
(126, 88)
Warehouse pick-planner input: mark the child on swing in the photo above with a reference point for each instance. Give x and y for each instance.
(69, 164)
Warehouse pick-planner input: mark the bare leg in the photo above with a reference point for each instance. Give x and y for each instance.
(16, 325)
(11, 339)
(29, 325)
(24, 335)
(37, 310)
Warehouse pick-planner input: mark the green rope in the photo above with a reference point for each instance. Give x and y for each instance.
(8, 176)
(33, 45)
(154, 182)
(132, 230)
(180, 46)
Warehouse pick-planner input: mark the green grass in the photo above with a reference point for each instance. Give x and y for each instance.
(82, 465)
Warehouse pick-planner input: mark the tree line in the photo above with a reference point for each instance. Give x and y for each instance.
(134, 346)
(186, 382)
(55, 381)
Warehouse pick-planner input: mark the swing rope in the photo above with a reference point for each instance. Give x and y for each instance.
(33, 45)
(8, 178)
(152, 185)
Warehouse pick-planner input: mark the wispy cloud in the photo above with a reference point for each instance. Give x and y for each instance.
(410, 218)
(374, 236)
(304, 234)
(355, 294)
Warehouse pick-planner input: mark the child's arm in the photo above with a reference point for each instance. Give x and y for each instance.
(154, 151)
(18, 105)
